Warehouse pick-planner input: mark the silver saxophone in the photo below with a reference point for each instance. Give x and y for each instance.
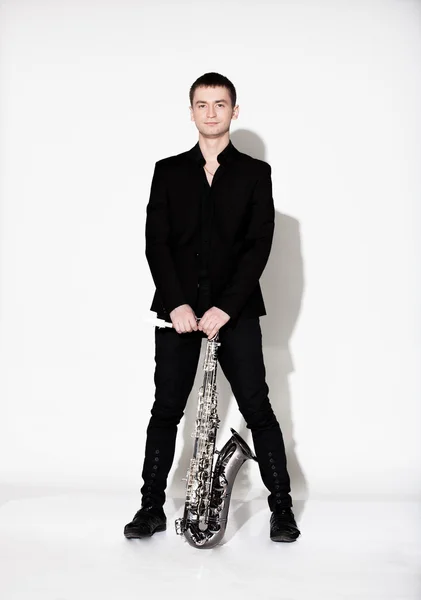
(209, 485)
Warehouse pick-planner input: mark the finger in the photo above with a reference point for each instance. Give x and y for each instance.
(187, 324)
(213, 332)
(210, 327)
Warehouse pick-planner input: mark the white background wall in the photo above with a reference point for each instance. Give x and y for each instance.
(92, 94)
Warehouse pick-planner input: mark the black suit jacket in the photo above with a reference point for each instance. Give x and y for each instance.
(243, 219)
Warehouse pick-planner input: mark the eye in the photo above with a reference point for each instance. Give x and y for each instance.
(220, 105)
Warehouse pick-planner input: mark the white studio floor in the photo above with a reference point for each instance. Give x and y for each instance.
(69, 545)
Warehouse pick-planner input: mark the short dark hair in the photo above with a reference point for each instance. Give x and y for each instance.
(214, 80)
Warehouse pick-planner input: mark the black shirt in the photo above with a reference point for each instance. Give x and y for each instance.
(207, 203)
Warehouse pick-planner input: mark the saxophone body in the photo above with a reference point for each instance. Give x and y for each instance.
(209, 479)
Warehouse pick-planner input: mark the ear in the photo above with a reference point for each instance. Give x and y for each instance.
(191, 114)
(235, 112)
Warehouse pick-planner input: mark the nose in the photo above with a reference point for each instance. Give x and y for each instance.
(211, 111)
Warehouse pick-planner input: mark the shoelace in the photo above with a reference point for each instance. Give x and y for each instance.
(154, 509)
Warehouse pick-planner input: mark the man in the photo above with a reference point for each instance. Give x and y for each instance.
(209, 230)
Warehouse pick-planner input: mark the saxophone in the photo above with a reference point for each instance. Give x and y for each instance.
(209, 486)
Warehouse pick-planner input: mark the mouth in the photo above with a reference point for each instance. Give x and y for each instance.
(213, 123)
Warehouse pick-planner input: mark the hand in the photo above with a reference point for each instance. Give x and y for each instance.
(183, 319)
(212, 321)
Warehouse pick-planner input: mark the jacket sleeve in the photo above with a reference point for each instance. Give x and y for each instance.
(257, 243)
(158, 252)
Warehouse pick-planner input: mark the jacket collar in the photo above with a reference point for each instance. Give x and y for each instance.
(228, 154)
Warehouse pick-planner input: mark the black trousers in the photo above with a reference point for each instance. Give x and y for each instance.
(241, 359)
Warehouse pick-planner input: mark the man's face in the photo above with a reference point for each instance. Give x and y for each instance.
(212, 111)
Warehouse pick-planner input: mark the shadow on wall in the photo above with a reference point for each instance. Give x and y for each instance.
(282, 285)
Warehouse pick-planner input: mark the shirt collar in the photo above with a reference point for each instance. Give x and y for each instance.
(228, 154)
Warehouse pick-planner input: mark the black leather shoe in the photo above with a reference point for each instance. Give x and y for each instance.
(147, 521)
(283, 527)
